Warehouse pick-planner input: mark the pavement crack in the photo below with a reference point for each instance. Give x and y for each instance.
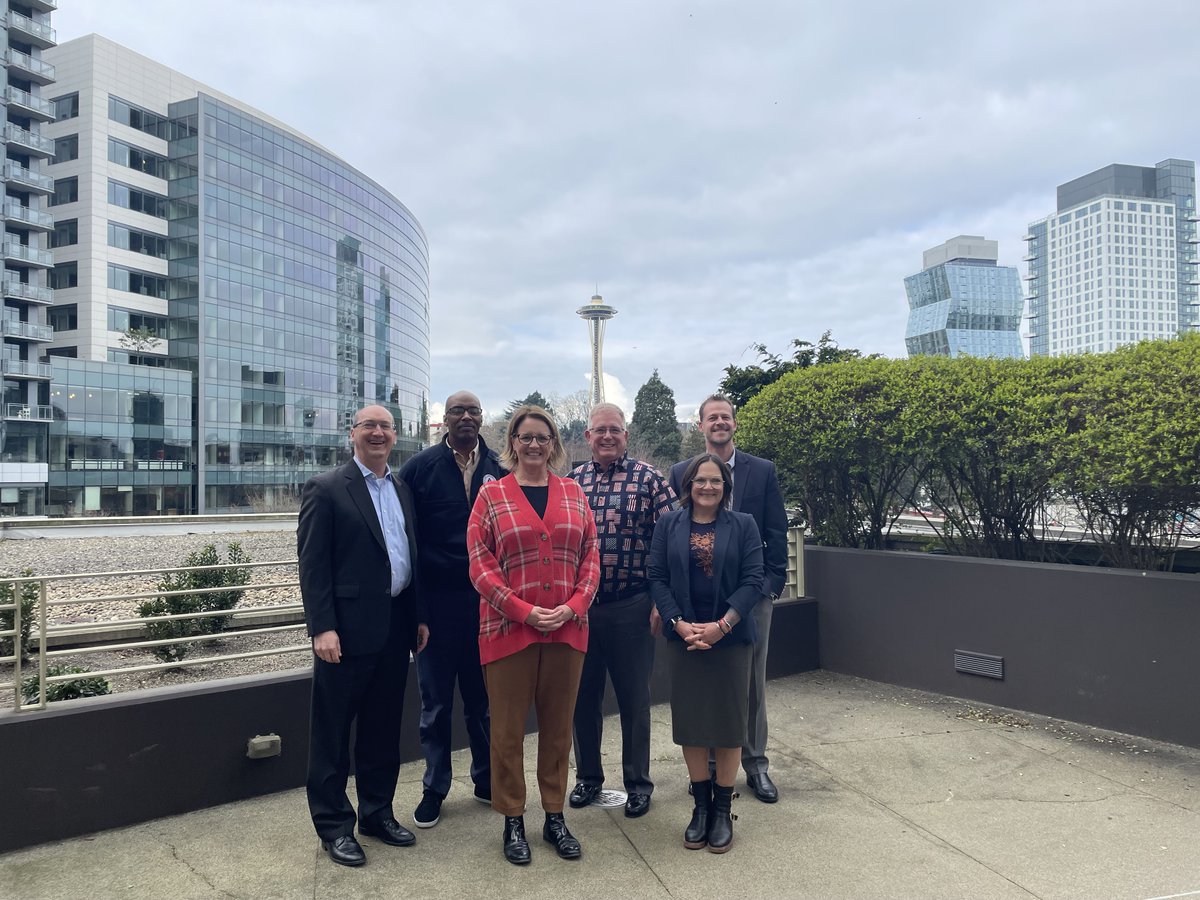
(637, 852)
(187, 865)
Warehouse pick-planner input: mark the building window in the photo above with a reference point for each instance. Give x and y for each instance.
(66, 190)
(126, 113)
(64, 275)
(65, 233)
(120, 319)
(139, 201)
(122, 279)
(136, 158)
(64, 317)
(65, 148)
(68, 352)
(125, 238)
(66, 107)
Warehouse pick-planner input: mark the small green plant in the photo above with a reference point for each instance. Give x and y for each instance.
(189, 579)
(29, 598)
(65, 690)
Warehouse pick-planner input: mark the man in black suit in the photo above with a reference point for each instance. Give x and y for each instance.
(755, 491)
(444, 480)
(358, 550)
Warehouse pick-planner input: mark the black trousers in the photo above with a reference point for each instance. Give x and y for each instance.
(620, 647)
(367, 693)
(452, 655)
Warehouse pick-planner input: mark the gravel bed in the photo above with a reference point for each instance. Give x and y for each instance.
(61, 556)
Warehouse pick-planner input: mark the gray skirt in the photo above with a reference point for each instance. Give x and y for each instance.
(710, 694)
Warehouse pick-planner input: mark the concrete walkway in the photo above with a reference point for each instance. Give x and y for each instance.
(885, 793)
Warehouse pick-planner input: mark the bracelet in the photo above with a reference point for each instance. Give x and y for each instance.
(723, 625)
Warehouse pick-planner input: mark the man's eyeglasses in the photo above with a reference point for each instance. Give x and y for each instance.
(541, 439)
(474, 411)
(371, 425)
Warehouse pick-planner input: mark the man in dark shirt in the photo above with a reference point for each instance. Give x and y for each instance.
(444, 480)
(627, 496)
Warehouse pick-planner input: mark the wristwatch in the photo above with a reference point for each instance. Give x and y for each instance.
(674, 620)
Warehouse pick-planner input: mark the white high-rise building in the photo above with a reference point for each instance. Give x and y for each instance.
(1116, 264)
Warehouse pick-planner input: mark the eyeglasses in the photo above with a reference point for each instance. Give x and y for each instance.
(464, 410)
(371, 425)
(607, 429)
(541, 439)
(708, 482)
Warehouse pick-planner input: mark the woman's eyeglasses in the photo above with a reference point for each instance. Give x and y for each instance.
(541, 439)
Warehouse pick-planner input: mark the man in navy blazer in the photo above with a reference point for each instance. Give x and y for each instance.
(358, 551)
(445, 480)
(755, 491)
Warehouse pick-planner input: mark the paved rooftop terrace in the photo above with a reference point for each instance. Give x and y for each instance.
(886, 793)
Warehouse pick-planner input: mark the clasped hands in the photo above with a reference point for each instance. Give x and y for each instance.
(548, 620)
(699, 635)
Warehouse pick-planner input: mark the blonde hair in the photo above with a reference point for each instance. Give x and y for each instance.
(508, 456)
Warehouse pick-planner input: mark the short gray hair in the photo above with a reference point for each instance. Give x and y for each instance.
(606, 407)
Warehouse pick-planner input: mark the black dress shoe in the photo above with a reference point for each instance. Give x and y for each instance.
(555, 832)
(389, 831)
(583, 795)
(637, 805)
(345, 851)
(516, 847)
(763, 787)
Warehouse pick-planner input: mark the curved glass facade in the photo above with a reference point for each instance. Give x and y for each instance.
(298, 292)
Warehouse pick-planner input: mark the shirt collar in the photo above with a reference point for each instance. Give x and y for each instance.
(474, 450)
(367, 473)
(621, 462)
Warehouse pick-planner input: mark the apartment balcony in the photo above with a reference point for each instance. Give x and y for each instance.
(28, 413)
(20, 254)
(28, 105)
(29, 141)
(29, 331)
(22, 218)
(31, 293)
(44, 6)
(17, 179)
(38, 34)
(1030, 257)
(34, 69)
(20, 368)
(1029, 237)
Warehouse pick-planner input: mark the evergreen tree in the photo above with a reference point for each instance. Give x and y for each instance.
(534, 399)
(654, 430)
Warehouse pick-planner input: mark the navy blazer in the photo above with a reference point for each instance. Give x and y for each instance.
(443, 509)
(345, 572)
(756, 491)
(737, 570)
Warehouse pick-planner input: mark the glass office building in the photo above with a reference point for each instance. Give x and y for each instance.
(202, 237)
(963, 303)
(1117, 262)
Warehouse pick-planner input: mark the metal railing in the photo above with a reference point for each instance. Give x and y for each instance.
(26, 411)
(129, 634)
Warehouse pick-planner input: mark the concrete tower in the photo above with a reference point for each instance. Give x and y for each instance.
(596, 313)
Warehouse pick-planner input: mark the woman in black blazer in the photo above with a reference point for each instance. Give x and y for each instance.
(706, 572)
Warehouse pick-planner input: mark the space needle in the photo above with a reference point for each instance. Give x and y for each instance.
(596, 313)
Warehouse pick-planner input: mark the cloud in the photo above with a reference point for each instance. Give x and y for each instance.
(728, 174)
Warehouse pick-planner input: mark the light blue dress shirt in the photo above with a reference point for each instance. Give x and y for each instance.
(391, 519)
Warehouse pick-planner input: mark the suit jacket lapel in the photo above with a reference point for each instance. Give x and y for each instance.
(720, 545)
(741, 475)
(356, 486)
(681, 548)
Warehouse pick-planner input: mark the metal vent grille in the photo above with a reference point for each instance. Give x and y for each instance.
(983, 664)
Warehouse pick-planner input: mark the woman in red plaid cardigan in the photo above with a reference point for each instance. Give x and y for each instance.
(535, 563)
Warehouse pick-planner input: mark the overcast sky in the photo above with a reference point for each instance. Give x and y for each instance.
(726, 173)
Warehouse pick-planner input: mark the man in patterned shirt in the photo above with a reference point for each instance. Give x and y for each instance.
(627, 496)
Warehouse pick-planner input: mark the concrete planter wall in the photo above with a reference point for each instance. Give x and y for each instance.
(1107, 647)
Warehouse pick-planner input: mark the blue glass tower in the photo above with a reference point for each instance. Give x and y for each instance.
(962, 303)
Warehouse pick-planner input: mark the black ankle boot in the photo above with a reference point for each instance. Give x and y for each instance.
(696, 836)
(720, 826)
(516, 848)
(555, 832)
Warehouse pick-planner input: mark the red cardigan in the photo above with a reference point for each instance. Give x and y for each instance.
(519, 561)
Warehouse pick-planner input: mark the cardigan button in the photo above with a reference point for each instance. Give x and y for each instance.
(545, 537)
(546, 560)
(546, 586)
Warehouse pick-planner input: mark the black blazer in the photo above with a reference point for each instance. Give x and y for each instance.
(756, 491)
(345, 573)
(737, 570)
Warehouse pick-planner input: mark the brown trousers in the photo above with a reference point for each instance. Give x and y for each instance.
(546, 675)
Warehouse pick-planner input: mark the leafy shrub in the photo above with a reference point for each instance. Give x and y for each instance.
(29, 598)
(64, 690)
(189, 579)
